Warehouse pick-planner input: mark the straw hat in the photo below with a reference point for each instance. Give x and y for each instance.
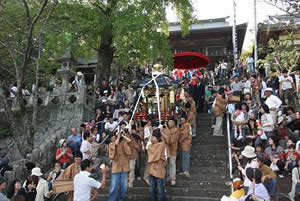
(249, 152)
(36, 172)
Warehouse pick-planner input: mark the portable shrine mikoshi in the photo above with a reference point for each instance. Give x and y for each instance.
(156, 98)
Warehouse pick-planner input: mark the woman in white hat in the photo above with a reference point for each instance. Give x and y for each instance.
(41, 185)
(249, 154)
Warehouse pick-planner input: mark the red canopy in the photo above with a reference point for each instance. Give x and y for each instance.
(190, 60)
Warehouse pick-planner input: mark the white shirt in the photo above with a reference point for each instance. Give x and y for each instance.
(273, 101)
(260, 191)
(224, 66)
(249, 60)
(267, 122)
(286, 82)
(110, 126)
(83, 185)
(240, 117)
(263, 88)
(13, 89)
(147, 132)
(85, 147)
(247, 86)
(42, 190)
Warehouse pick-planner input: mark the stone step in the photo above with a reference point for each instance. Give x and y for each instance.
(185, 183)
(175, 191)
(209, 145)
(169, 198)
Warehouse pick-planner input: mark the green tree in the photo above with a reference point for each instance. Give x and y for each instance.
(22, 24)
(281, 54)
(120, 31)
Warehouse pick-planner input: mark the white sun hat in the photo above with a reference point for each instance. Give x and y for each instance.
(249, 152)
(36, 172)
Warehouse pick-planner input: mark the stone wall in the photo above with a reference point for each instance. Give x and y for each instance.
(54, 123)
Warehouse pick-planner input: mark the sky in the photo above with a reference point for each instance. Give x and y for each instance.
(208, 9)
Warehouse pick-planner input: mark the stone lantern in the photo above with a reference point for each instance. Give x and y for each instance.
(65, 71)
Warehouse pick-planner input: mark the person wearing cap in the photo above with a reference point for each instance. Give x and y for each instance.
(3, 185)
(157, 161)
(71, 171)
(84, 185)
(238, 186)
(257, 191)
(249, 154)
(185, 143)
(78, 81)
(238, 192)
(42, 190)
(64, 154)
(273, 102)
(119, 151)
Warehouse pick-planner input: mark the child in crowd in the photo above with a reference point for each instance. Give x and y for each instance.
(238, 189)
(291, 157)
(238, 192)
(239, 117)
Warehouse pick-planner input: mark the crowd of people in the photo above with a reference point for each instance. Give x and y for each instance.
(132, 150)
(265, 125)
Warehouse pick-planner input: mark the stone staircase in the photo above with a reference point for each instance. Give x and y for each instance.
(209, 171)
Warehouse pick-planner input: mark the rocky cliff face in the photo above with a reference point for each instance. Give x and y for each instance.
(55, 119)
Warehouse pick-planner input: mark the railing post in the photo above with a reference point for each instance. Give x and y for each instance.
(229, 148)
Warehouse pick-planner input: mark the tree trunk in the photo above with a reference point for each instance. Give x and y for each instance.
(105, 55)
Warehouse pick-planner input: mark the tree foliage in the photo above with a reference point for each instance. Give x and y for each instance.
(126, 32)
(35, 33)
(290, 7)
(22, 24)
(281, 54)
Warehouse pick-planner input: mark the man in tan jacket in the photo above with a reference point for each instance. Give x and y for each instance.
(157, 161)
(173, 144)
(191, 118)
(136, 147)
(119, 153)
(219, 107)
(185, 143)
